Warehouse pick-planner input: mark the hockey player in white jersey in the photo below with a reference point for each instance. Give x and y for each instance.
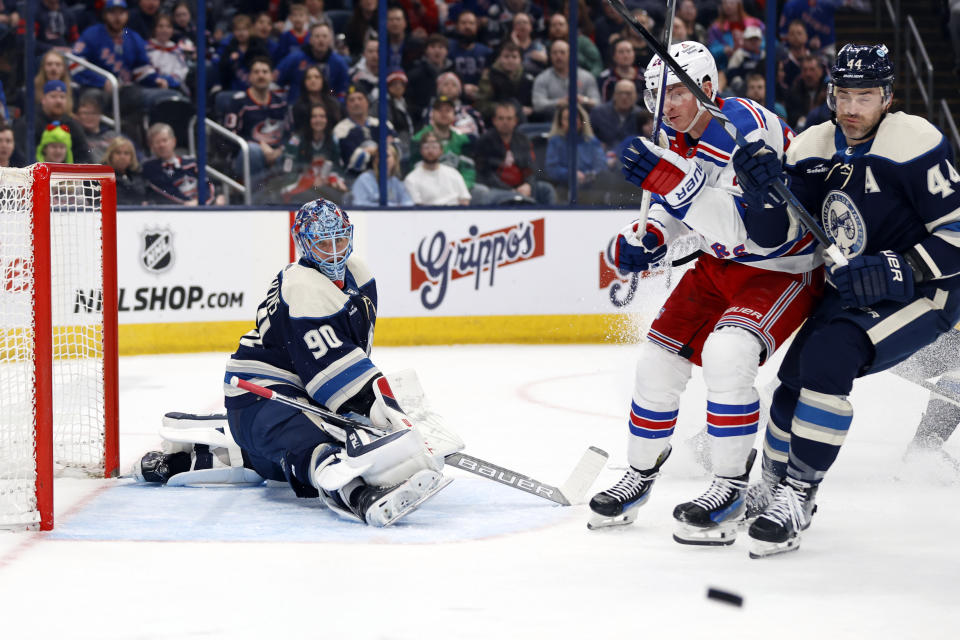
(728, 314)
(312, 341)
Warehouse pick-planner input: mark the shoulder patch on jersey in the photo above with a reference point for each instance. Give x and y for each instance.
(903, 137)
(815, 142)
(309, 293)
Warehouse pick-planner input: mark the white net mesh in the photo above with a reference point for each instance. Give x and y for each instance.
(77, 338)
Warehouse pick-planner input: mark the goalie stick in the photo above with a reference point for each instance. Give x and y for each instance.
(573, 491)
(781, 189)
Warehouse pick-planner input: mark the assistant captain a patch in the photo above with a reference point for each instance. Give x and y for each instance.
(843, 223)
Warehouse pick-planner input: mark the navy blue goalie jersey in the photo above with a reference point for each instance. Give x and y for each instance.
(312, 338)
(898, 191)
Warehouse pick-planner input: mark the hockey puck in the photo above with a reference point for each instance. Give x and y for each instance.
(725, 596)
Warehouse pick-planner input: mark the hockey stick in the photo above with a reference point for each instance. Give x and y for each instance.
(781, 189)
(658, 109)
(931, 388)
(573, 491)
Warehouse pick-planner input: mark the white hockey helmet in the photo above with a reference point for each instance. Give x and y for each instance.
(693, 57)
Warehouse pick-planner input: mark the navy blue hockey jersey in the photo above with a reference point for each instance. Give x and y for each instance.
(897, 191)
(312, 338)
(255, 121)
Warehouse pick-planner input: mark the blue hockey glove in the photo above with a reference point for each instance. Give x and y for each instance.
(662, 171)
(757, 167)
(638, 253)
(867, 280)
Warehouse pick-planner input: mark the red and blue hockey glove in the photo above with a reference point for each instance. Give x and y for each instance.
(637, 252)
(662, 171)
(867, 280)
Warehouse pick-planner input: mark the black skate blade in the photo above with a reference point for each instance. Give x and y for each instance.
(705, 542)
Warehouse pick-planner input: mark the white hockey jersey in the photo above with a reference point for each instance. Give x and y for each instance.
(716, 214)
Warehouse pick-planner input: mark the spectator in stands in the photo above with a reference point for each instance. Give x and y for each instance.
(401, 49)
(165, 55)
(121, 51)
(366, 189)
(679, 32)
(423, 75)
(504, 160)
(796, 49)
(808, 91)
(817, 16)
(236, 53)
(143, 16)
(621, 118)
(53, 108)
(262, 30)
(468, 120)
(364, 73)
(398, 112)
(747, 59)
(687, 11)
(319, 51)
(551, 88)
(311, 162)
(533, 50)
(501, 22)
(10, 156)
(54, 26)
(298, 32)
(757, 91)
(261, 117)
(591, 158)
(469, 56)
(362, 25)
(433, 183)
(624, 67)
(313, 91)
(55, 144)
(606, 30)
(315, 12)
(725, 34)
(99, 135)
(506, 79)
(588, 56)
(183, 26)
(53, 66)
(131, 185)
(641, 50)
(172, 179)
(423, 15)
(456, 146)
(357, 134)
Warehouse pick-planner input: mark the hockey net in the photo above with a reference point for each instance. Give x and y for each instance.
(58, 332)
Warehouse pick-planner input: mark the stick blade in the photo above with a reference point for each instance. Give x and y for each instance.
(584, 475)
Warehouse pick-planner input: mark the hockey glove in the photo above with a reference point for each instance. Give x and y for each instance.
(638, 253)
(867, 280)
(757, 167)
(662, 171)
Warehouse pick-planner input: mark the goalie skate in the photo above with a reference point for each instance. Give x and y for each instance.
(619, 504)
(381, 507)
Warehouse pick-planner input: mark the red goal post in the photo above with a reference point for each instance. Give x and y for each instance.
(58, 334)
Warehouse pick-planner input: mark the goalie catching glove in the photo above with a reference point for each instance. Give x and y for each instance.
(637, 252)
(662, 171)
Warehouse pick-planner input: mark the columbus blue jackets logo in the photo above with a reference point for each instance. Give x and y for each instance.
(843, 223)
(157, 253)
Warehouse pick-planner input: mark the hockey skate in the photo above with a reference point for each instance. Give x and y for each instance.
(777, 529)
(618, 505)
(158, 467)
(714, 518)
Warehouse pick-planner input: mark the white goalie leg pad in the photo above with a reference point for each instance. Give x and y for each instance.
(731, 360)
(660, 379)
(380, 462)
(181, 431)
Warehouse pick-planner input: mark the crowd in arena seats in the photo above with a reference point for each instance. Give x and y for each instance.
(477, 91)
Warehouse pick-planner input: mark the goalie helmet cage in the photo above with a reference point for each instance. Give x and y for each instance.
(58, 334)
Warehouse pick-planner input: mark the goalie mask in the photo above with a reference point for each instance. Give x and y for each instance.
(861, 67)
(695, 59)
(324, 237)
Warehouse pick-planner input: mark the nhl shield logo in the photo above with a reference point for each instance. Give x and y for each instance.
(157, 253)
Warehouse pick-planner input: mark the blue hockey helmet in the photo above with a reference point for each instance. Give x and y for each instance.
(323, 234)
(861, 66)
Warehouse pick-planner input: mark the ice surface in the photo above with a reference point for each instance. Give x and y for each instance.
(481, 560)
